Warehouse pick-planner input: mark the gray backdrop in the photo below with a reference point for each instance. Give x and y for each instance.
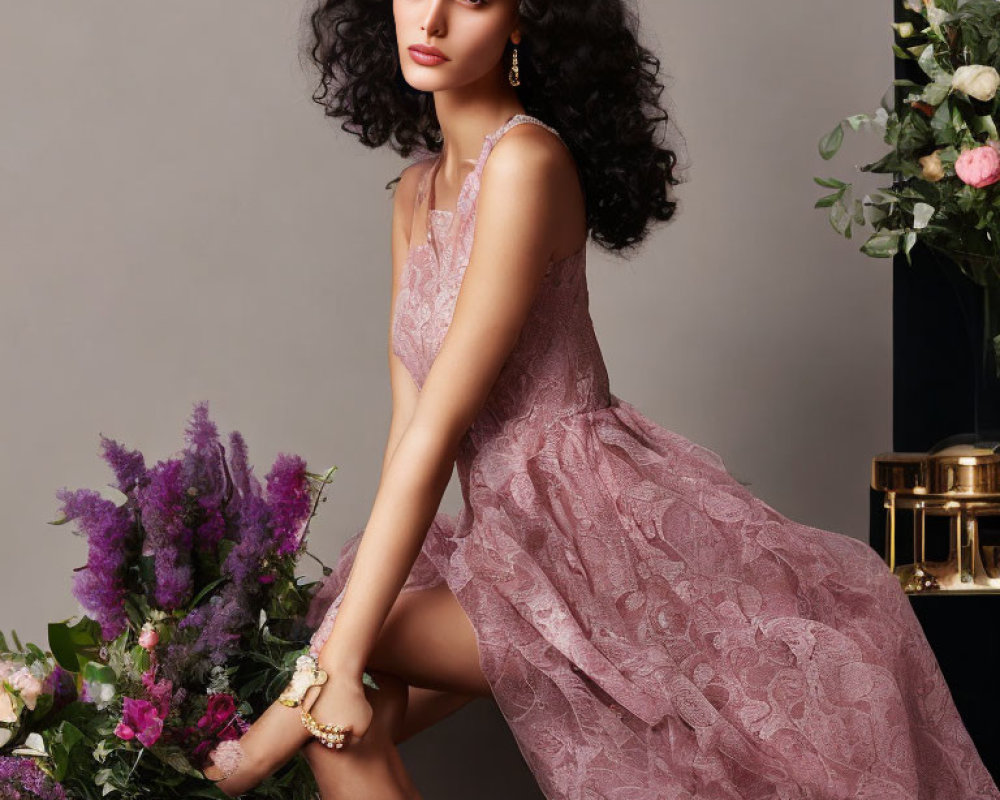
(179, 222)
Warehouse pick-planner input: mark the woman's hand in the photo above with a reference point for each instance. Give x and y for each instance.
(341, 701)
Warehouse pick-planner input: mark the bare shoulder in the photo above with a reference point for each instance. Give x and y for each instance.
(533, 166)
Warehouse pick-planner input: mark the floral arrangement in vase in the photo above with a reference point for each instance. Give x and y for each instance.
(944, 149)
(193, 623)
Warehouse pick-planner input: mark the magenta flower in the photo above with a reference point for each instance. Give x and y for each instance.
(220, 712)
(124, 732)
(159, 693)
(141, 720)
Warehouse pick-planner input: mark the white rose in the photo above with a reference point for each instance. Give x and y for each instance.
(7, 712)
(976, 80)
(6, 734)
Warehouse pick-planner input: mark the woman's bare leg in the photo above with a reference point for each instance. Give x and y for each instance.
(370, 768)
(427, 641)
(427, 707)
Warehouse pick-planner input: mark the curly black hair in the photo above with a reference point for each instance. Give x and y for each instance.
(582, 70)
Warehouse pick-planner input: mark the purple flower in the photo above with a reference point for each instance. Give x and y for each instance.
(201, 433)
(255, 544)
(163, 508)
(243, 476)
(140, 720)
(205, 476)
(231, 615)
(23, 779)
(61, 684)
(128, 465)
(289, 501)
(100, 586)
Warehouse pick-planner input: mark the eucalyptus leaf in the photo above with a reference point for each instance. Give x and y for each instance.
(928, 63)
(830, 144)
(922, 213)
(174, 757)
(840, 218)
(95, 672)
(935, 92)
(882, 244)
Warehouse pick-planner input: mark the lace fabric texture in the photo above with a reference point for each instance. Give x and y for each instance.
(649, 627)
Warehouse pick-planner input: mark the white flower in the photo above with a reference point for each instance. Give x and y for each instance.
(976, 80)
(6, 734)
(7, 711)
(34, 745)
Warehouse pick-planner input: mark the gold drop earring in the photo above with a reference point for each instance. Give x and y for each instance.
(515, 74)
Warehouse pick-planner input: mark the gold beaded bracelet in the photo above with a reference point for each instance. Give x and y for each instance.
(308, 674)
(330, 735)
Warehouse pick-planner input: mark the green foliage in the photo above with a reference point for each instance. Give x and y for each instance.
(929, 119)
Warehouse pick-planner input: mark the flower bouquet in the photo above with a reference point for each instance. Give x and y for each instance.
(193, 624)
(945, 150)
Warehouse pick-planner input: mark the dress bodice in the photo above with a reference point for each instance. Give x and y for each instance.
(555, 368)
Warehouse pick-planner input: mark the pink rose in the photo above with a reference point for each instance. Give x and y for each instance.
(7, 668)
(148, 639)
(978, 166)
(27, 685)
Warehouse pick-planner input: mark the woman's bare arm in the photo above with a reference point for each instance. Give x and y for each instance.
(498, 288)
(404, 390)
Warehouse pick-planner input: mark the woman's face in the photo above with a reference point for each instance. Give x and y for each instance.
(471, 34)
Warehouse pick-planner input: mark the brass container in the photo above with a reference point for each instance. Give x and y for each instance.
(960, 482)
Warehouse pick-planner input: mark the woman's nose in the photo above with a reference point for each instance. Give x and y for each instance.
(434, 17)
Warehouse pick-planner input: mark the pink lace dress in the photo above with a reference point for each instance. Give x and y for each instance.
(650, 628)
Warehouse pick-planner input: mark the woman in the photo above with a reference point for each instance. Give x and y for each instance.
(647, 626)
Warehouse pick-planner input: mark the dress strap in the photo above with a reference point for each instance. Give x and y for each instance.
(517, 119)
(421, 192)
